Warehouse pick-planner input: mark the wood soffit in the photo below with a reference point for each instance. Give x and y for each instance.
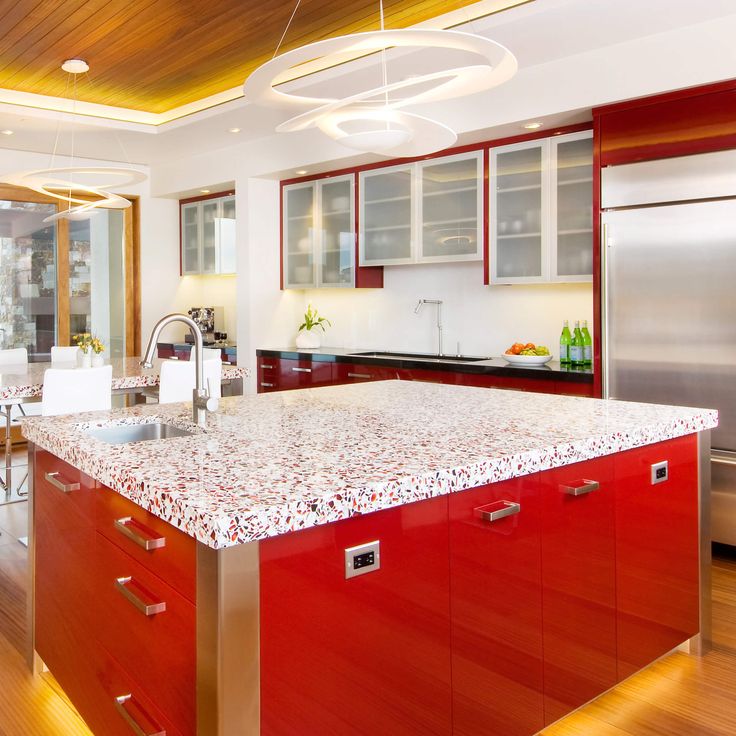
(155, 55)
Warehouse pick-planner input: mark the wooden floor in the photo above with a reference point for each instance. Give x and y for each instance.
(678, 696)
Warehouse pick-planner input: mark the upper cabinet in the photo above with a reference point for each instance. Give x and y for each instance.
(541, 210)
(208, 236)
(424, 212)
(319, 233)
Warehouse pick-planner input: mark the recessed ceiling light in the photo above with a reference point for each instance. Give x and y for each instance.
(204, 191)
(6, 132)
(301, 172)
(233, 130)
(75, 66)
(533, 126)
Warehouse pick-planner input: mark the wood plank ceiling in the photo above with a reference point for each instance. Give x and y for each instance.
(154, 55)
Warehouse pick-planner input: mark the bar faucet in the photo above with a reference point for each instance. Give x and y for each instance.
(438, 302)
(202, 402)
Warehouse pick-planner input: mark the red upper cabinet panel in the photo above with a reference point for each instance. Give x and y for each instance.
(656, 551)
(578, 584)
(496, 609)
(363, 655)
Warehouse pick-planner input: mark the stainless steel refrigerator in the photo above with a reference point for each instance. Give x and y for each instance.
(669, 298)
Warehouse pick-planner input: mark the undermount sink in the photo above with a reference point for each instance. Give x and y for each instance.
(121, 434)
(422, 356)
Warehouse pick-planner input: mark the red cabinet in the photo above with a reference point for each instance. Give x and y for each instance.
(355, 373)
(656, 552)
(496, 604)
(578, 584)
(282, 374)
(368, 654)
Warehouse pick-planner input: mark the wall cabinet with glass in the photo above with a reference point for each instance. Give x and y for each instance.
(541, 210)
(428, 211)
(318, 237)
(208, 236)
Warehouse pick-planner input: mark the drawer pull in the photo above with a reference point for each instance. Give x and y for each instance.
(266, 366)
(497, 510)
(149, 609)
(127, 526)
(302, 370)
(359, 375)
(120, 704)
(580, 487)
(57, 482)
(266, 385)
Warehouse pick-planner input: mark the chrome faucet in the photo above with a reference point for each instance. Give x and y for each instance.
(438, 302)
(202, 402)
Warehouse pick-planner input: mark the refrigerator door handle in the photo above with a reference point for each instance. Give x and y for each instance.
(604, 306)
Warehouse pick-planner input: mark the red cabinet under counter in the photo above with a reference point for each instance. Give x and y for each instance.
(357, 373)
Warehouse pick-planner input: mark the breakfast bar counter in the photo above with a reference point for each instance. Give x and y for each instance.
(382, 556)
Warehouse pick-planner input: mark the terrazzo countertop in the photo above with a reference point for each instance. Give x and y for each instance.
(275, 463)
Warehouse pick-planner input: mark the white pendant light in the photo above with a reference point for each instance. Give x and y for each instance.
(68, 184)
(375, 119)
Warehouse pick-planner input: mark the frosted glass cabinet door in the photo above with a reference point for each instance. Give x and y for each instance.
(386, 217)
(190, 237)
(518, 213)
(209, 235)
(451, 208)
(571, 159)
(298, 235)
(337, 241)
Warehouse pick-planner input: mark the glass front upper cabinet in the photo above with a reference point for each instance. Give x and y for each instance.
(208, 236)
(540, 210)
(190, 229)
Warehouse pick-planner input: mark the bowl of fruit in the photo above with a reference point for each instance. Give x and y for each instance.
(527, 354)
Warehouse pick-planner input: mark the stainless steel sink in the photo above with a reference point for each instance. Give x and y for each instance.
(423, 356)
(121, 434)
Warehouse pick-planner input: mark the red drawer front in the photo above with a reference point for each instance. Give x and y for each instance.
(158, 649)
(268, 370)
(303, 373)
(578, 585)
(334, 651)
(356, 373)
(71, 491)
(496, 608)
(171, 554)
(165, 352)
(657, 552)
(572, 388)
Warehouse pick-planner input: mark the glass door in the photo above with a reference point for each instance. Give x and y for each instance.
(190, 235)
(298, 206)
(337, 241)
(27, 277)
(209, 213)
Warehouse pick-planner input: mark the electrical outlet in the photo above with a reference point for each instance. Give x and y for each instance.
(362, 559)
(660, 472)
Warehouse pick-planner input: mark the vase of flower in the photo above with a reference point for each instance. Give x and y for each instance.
(311, 329)
(98, 348)
(90, 350)
(85, 358)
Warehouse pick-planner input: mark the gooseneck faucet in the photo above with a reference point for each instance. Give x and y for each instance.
(202, 402)
(438, 302)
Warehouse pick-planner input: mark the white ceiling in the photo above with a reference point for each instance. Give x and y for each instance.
(538, 33)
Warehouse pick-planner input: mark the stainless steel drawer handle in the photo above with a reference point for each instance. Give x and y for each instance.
(128, 525)
(120, 705)
(497, 510)
(722, 460)
(124, 586)
(302, 370)
(266, 385)
(57, 482)
(266, 366)
(359, 375)
(579, 487)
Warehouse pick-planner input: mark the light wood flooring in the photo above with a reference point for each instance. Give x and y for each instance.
(678, 696)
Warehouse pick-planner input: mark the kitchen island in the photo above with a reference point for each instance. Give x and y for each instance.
(387, 556)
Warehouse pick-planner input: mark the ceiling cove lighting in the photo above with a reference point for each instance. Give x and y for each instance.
(376, 119)
(6, 132)
(533, 126)
(84, 189)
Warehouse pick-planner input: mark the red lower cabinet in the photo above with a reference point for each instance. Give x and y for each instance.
(360, 655)
(496, 609)
(656, 551)
(578, 584)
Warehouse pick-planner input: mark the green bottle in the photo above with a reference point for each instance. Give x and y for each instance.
(565, 342)
(576, 346)
(587, 344)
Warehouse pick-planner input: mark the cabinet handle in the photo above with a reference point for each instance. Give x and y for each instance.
(138, 730)
(497, 510)
(266, 385)
(57, 482)
(579, 487)
(148, 609)
(125, 527)
(302, 370)
(265, 365)
(359, 375)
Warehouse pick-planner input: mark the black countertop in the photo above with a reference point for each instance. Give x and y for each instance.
(496, 366)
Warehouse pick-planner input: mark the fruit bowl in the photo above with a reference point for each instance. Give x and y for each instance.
(527, 359)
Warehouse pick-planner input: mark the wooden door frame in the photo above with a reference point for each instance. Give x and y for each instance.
(131, 258)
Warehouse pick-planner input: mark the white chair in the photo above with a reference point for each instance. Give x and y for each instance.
(210, 354)
(14, 356)
(178, 378)
(64, 354)
(73, 390)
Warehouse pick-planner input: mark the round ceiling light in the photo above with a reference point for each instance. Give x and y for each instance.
(75, 66)
(494, 65)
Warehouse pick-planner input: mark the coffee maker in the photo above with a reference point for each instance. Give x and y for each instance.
(209, 320)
